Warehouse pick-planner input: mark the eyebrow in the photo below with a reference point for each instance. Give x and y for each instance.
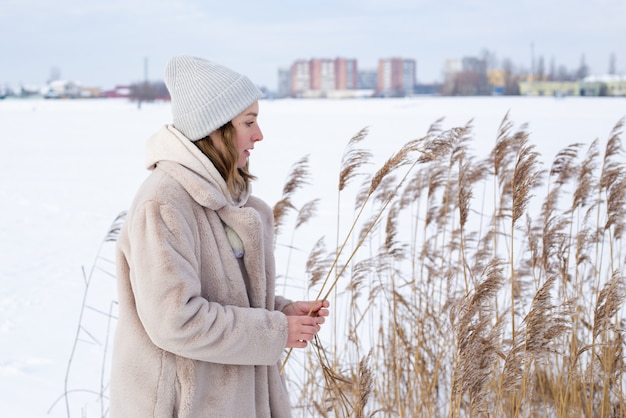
(252, 114)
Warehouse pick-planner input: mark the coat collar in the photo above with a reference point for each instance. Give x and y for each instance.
(171, 151)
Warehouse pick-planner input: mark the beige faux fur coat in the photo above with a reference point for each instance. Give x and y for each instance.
(200, 332)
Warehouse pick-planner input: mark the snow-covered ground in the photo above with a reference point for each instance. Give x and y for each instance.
(67, 168)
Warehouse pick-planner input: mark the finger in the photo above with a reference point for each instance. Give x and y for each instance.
(320, 308)
(322, 312)
(311, 329)
(306, 337)
(309, 321)
(309, 333)
(298, 344)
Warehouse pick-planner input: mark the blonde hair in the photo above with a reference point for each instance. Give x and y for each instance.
(225, 162)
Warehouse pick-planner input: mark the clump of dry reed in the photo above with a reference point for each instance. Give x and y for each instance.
(469, 286)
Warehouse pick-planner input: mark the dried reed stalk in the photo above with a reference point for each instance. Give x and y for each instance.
(552, 349)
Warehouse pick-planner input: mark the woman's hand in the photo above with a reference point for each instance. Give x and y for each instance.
(303, 327)
(315, 308)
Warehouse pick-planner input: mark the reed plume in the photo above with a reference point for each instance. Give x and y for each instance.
(426, 318)
(353, 158)
(478, 335)
(297, 177)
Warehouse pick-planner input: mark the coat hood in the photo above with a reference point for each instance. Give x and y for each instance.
(171, 151)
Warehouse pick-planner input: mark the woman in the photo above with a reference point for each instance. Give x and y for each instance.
(200, 331)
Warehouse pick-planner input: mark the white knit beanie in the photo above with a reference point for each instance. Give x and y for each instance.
(205, 95)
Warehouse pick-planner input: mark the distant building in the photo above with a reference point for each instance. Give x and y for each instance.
(604, 85)
(29, 91)
(452, 67)
(497, 81)
(59, 89)
(284, 83)
(90, 92)
(346, 74)
(396, 77)
(593, 85)
(321, 77)
(300, 77)
(549, 88)
(7, 91)
(466, 77)
(367, 79)
(118, 92)
(429, 89)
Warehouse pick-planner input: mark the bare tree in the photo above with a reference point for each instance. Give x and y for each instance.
(541, 70)
(511, 85)
(564, 75)
(490, 59)
(583, 69)
(552, 73)
(145, 91)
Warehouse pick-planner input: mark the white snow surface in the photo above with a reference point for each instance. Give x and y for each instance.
(69, 167)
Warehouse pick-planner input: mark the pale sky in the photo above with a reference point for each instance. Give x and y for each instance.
(104, 43)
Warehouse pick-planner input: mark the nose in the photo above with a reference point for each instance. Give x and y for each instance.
(258, 135)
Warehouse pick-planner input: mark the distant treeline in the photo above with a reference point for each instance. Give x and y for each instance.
(148, 91)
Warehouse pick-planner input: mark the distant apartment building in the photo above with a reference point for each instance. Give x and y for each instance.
(396, 77)
(367, 79)
(300, 77)
(284, 83)
(323, 77)
(320, 77)
(346, 72)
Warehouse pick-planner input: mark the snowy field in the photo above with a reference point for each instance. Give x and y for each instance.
(69, 167)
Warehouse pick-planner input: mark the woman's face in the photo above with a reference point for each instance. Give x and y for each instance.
(247, 133)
